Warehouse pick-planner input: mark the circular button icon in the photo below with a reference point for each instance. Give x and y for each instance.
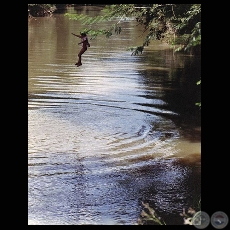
(201, 220)
(219, 220)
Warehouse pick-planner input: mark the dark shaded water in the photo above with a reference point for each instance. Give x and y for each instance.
(115, 132)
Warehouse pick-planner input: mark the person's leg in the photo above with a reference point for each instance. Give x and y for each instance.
(79, 59)
(79, 56)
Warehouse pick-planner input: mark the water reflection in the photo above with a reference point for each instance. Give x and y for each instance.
(105, 137)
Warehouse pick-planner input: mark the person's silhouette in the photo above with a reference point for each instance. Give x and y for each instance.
(85, 44)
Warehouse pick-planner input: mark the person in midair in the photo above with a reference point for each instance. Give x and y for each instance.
(85, 44)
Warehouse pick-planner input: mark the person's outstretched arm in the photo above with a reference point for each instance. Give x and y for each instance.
(76, 35)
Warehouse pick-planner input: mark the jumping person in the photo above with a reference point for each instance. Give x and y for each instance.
(85, 44)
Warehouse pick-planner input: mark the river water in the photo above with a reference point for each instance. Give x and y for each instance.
(113, 133)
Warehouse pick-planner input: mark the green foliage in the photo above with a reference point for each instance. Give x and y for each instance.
(41, 10)
(42, 6)
(109, 13)
(149, 216)
(176, 24)
(198, 103)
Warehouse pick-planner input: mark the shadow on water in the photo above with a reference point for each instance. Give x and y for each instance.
(176, 83)
(182, 176)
